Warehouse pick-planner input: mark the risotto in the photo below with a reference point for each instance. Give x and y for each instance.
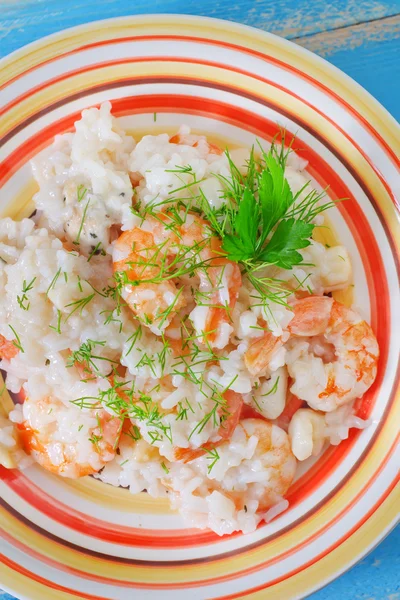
(172, 322)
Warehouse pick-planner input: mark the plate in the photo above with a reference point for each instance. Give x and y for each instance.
(64, 539)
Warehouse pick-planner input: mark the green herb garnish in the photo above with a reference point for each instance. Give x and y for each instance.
(23, 300)
(17, 341)
(265, 226)
(78, 237)
(57, 329)
(213, 457)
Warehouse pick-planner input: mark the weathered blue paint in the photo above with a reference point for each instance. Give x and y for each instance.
(374, 65)
(369, 52)
(374, 578)
(22, 21)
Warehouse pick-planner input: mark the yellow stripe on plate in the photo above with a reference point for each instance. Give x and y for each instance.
(231, 33)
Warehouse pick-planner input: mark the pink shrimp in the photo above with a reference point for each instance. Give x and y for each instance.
(72, 452)
(220, 281)
(136, 253)
(153, 294)
(272, 453)
(233, 409)
(7, 349)
(356, 351)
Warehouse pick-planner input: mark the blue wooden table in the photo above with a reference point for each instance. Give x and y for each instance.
(361, 37)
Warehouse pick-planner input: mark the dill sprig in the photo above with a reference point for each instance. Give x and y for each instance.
(81, 192)
(86, 357)
(265, 224)
(53, 281)
(133, 433)
(213, 456)
(95, 439)
(183, 411)
(17, 342)
(23, 300)
(128, 403)
(78, 237)
(79, 305)
(57, 328)
(219, 412)
(262, 223)
(187, 261)
(135, 337)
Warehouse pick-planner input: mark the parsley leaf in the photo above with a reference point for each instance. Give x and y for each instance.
(246, 221)
(289, 236)
(274, 193)
(263, 225)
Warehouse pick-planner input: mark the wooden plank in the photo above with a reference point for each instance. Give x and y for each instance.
(350, 38)
(369, 53)
(22, 21)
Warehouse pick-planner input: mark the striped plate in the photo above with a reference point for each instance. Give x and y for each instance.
(83, 539)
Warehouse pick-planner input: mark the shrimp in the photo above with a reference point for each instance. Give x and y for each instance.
(232, 411)
(323, 385)
(274, 453)
(307, 433)
(255, 469)
(150, 258)
(7, 349)
(69, 445)
(136, 253)
(195, 141)
(220, 282)
(311, 317)
(292, 405)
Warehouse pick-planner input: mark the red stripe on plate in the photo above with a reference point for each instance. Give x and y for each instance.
(232, 69)
(240, 573)
(311, 562)
(265, 57)
(50, 584)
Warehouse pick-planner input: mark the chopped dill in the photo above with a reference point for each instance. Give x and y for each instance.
(135, 337)
(213, 457)
(23, 300)
(78, 237)
(81, 192)
(57, 329)
(95, 439)
(17, 341)
(79, 305)
(96, 250)
(53, 281)
(85, 356)
(273, 389)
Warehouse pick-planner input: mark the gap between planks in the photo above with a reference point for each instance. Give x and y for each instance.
(352, 36)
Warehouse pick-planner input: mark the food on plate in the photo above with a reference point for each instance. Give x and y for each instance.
(171, 320)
